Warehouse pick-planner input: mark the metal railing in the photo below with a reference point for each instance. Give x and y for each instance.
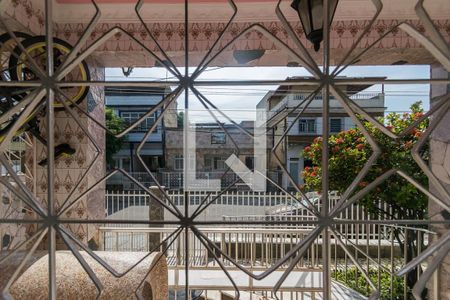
(259, 248)
(245, 206)
(123, 204)
(365, 96)
(357, 246)
(380, 256)
(292, 100)
(174, 179)
(255, 247)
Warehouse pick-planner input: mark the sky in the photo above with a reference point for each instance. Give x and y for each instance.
(240, 101)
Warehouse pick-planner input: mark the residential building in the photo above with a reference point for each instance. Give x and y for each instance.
(185, 244)
(284, 104)
(130, 104)
(213, 147)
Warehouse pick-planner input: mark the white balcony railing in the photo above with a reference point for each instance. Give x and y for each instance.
(257, 247)
(137, 239)
(257, 250)
(174, 179)
(365, 100)
(242, 206)
(263, 248)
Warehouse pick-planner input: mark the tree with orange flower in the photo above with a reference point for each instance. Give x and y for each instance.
(350, 150)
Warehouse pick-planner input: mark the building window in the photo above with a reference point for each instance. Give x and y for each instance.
(335, 125)
(178, 162)
(130, 117)
(299, 97)
(123, 163)
(214, 163)
(250, 162)
(218, 138)
(307, 125)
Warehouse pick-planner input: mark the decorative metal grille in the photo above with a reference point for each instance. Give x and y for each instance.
(50, 85)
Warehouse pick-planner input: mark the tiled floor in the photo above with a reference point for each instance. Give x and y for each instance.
(308, 284)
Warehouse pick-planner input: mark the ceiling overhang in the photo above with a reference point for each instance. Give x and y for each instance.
(78, 11)
(165, 20)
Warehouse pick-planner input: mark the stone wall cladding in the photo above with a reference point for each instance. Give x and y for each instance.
(440, 165)
(70, 170)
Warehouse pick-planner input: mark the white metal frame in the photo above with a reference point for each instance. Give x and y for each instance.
(53, 223)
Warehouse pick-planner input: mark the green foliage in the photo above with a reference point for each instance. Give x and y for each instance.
(350, 151)
(354, 279)
(113, 144)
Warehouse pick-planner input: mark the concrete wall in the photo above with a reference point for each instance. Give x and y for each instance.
(440, 164)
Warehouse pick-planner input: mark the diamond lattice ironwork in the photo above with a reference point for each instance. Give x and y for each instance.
(48, 88)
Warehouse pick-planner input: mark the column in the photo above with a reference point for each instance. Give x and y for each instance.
(440, 164)
(156, 213)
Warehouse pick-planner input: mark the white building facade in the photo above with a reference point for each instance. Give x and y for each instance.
(283, 107)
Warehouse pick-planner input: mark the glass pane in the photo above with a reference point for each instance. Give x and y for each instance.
(336, 125)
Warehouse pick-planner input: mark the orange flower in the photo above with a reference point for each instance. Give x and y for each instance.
(408, 145)
(339, 141)
(307, 148)
(360, 147)
(313, 174)
(418, 115)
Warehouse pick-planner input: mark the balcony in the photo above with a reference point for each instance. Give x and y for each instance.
(258, 248)
(372, 102)
(59, 57)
